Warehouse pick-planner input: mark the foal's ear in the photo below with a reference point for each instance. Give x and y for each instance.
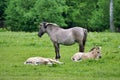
(100, 47)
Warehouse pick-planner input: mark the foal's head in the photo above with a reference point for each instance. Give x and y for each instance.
(96, 52)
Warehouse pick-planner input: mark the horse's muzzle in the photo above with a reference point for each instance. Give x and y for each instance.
(40, 34)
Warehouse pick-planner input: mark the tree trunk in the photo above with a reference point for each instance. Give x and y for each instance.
(111, 16)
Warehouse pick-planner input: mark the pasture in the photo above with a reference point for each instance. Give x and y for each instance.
(16, 47)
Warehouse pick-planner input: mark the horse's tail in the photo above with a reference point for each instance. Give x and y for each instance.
(85, 36)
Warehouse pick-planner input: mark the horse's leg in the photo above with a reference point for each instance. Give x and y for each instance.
(81, 47)
(84, 45)
(84, 40)
(56, 45)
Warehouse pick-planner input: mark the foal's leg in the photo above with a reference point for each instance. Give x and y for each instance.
(56, 45)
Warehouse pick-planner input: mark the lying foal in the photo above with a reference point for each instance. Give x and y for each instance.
(41, 60)
(94, 53)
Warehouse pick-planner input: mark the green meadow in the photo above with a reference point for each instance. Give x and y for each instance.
(16, 47)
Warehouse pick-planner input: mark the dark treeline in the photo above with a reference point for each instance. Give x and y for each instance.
(25, 15)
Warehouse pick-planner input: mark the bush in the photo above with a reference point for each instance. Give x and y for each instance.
(20, 16)
(99, 20)
(117, 15)
(25, 15)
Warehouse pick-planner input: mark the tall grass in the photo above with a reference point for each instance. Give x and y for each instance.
(16, 47)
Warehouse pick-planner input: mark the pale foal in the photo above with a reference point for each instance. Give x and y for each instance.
(41, 60)
(95, 53)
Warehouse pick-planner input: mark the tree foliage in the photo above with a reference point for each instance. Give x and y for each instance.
(99, 20)
(79, 12)
(117, 14)
(2, 10)
(25, 15)
(50, 11)
(20, 15)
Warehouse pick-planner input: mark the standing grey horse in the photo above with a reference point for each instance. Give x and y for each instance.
(63, 36)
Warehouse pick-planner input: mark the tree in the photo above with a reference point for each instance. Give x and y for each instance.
(51, 11)
(25, 15)
(20, 15)
(2, 10)
(117, 15)
(99, 20)
(111, 16)
(79, 12)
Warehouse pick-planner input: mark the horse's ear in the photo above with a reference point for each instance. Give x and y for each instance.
(45, 24)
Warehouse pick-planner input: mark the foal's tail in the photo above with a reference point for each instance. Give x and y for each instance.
(85, 36)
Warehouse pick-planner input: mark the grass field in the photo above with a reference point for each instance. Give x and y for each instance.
(16, 47)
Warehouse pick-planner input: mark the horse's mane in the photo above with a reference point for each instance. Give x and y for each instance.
(52, 24)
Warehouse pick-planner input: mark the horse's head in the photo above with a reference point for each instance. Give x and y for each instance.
(96, 51)
(42, 29)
